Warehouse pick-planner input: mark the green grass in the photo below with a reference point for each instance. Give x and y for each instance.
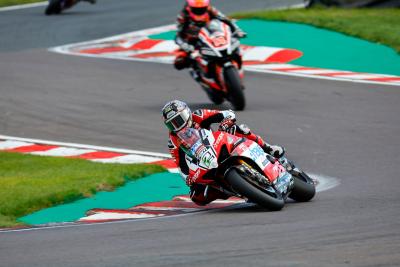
(29, 183)
(17, 2)
(376, 25)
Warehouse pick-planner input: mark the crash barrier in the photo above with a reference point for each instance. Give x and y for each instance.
(353, 3)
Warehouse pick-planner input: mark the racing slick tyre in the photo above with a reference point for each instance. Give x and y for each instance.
(303, 189)
(241, 186)
(216, 98)
(235, 90)
(53, 7)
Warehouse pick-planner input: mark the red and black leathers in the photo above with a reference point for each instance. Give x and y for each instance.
(203, 118)
(188, 31)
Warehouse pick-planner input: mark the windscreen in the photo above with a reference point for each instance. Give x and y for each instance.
(190, 139)
(214, 26)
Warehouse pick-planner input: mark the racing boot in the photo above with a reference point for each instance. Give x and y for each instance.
(274, 150)
(195, 75)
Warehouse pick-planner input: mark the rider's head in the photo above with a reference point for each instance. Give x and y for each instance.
(198, 10)
(177, 115)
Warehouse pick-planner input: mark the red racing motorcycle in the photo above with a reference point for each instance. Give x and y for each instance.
(217, 64)
(239, 167)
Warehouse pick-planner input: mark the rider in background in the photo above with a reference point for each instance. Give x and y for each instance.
(195, 15)
(177, 115)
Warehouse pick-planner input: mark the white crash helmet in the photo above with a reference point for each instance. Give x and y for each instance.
(177, 115)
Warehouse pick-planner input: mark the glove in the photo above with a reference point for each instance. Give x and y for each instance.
(187, 47)
(240, 34)
(189, 181)
(226, 124)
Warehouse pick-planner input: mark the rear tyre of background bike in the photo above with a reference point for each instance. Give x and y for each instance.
(303, 189)
(53, 8)
(216, 98)
(255, 195)
(235, 91)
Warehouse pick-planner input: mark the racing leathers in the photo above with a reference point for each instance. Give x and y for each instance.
(188, 30)
(203, 118)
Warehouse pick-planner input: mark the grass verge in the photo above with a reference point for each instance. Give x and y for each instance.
(376, 25)
(4, 3)
(30, 183)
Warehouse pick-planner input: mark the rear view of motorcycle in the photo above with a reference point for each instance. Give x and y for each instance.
(218, 64)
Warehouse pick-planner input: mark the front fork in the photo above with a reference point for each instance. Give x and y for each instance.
(295, 171)
(289, 166)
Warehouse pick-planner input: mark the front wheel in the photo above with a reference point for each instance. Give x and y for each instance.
(241, 186)
(303, 189)
(234, 86)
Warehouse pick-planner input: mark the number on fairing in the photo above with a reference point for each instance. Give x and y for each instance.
(219, 41)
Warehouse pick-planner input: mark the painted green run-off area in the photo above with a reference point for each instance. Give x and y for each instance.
(29, 183)
(321, 48)
(156, 187)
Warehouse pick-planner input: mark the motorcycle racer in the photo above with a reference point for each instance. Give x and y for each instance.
(194, 15)
(177, 115)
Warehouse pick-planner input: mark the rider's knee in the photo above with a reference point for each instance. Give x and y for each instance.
(181, 63)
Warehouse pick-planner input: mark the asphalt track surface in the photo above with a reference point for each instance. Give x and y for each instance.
(340, 129)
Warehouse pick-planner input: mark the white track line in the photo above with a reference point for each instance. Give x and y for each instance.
(137, 34)
(118, 216)
(68, 225)
(319, 77)
(11, 144)
(128, 159)
(24, 6)
(295, 6)
(63, 152)
(101, 148)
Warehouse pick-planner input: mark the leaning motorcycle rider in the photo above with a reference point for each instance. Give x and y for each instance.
(195, 15)
(177, 115)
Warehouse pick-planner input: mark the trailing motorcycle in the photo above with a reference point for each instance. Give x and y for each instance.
(57, 6)
(217, 64)
(239, 167)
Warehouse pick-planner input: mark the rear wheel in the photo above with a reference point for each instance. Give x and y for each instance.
(216, 98)
(241, 186)
(303, 189)
(235, 91)
(53, 7)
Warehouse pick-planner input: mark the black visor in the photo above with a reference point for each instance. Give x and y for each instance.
(199, 10)
(176, 123)
(179, 121)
